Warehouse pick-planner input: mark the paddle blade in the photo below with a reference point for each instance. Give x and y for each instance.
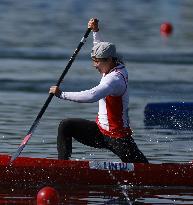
(21, 146)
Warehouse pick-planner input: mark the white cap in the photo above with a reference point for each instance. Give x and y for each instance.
(104, 50)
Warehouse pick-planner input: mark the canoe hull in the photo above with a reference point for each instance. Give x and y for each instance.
(26, 171)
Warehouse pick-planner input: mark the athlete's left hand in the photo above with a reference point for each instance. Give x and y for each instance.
(55, 90)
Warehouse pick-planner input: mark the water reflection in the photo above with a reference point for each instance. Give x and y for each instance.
(103, 195)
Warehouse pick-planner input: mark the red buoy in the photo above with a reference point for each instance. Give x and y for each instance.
(166, 29)
(47, 196)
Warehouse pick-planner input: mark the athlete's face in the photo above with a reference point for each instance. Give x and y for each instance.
(102, 65)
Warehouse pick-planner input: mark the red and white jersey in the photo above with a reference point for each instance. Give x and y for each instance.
(113, 119)
(113, 96)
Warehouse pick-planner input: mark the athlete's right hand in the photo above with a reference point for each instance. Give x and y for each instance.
(93, 24)
(55, 90)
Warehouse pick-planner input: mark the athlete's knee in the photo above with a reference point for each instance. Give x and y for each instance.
(64, 127)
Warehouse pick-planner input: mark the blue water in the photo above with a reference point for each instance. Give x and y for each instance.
(37, 39)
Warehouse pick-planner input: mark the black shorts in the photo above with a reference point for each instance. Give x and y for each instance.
(88, 133)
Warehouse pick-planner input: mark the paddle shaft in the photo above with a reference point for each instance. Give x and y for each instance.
(36, 121)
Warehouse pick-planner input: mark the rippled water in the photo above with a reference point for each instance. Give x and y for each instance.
(36, 40)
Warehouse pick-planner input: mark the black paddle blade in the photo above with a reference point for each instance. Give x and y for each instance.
(20, 148)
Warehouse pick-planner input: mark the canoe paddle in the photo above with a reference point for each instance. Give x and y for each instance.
(37, 120)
